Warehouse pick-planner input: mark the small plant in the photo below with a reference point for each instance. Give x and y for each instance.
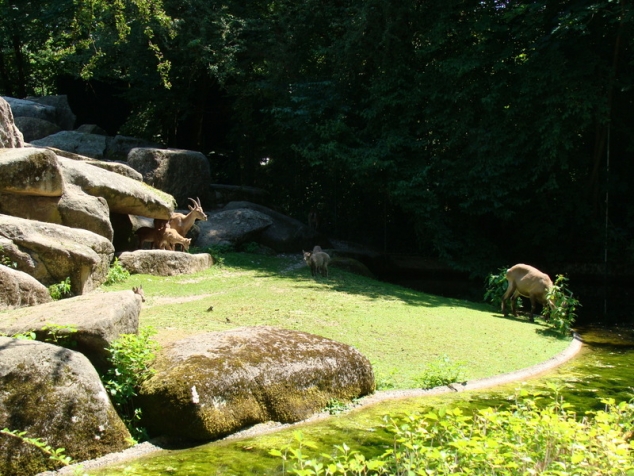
(440, 372)
(495, 287)
(30, 335)
(385, 382)
(117, 273)
(335, 406)
(251, 247)
(61, 290)
(131, 356)
(61, 335)
(5, 260)
(562, 317)
(56, 454)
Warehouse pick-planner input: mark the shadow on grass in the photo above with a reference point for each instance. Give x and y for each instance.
(294, 269)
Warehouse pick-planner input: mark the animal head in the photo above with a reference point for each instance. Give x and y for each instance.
(197, 209)
(307, 255)
(139, 290)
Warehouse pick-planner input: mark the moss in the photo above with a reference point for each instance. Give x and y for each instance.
(34, 405)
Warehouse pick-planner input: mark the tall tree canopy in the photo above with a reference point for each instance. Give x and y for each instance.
(473, 130)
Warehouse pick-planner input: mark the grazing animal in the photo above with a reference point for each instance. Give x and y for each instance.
(171, 238)
(524, 280)
(139, 290)
(146, 234)
(318, 262)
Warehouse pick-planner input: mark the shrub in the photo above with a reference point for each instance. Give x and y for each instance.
(55, 454)
(61, 290)
(117, 273)
(5, 260)
(440, 372)
(131, 356)
(563, 316)
(495, 287)
(528, 438)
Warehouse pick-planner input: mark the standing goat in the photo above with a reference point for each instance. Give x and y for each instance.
(318, 262)
(524, 280)
(183, 223)
(171, 238)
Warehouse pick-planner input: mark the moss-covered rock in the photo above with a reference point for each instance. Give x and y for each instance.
(214, 384)
(54, 394)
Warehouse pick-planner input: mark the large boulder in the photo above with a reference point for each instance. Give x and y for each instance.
(10, 135)
(210, 385)
(119, 147)
(181, 173)
(113, 166)
(18, 289)
(124, 195)
(34, 128)
(64, 116)
(286, 234)
(231, 227)
(93, 321)
(74, 208)
(91, 145)
(51, 253)
(54, 394)
(30, 171)
(164, 262)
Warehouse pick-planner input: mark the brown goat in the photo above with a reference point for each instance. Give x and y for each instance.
(139, 291)
(154, 236)
(527, 281)
(318, 262)
(171, 238)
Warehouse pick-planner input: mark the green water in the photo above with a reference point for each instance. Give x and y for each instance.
(602, 369)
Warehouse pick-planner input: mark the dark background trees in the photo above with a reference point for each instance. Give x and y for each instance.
(473, 131)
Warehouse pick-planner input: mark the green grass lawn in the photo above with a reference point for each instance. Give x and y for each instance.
(400, 330)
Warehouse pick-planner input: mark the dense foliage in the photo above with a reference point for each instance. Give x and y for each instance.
(476, 131)
(528, 438)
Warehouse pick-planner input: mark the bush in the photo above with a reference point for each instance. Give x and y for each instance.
(61, 290)
(563, 315)
(117, 273)
(495, 287)
(528, 438)
(440, 372)
(131, 356)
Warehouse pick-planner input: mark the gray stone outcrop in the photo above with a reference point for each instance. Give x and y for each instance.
(10, 135)
(54, 394)
(18, 289)
(164, 262)
(231, 227)
(210, 385)
(27, 171)
(93, 321)
(34, 128)
(286, 234)
(90, 145)
(181, 173)
(51, 253)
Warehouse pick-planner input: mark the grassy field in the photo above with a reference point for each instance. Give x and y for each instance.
(401, 331)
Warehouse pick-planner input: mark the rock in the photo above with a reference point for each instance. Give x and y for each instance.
(124, 195)
(231, 227)
(181, 173)
(91, 129)
(210, 385)
(30, 171)
(29, 108)
(10, 135)
(34, 128)
(119, 147)
(164, 262)
(54, 394)
(74, 208)
(93, 321)
(286, 234)
(51, 253)
(352, 265)
(117, 167)
(18, 289)
(223, 194)
(64, 116)
(91, 145)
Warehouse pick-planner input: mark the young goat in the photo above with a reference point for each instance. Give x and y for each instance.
(317, 261)
(139, 290)
(154, 236)
(171, 238)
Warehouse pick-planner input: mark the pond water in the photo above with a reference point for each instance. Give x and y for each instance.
(603, 369)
